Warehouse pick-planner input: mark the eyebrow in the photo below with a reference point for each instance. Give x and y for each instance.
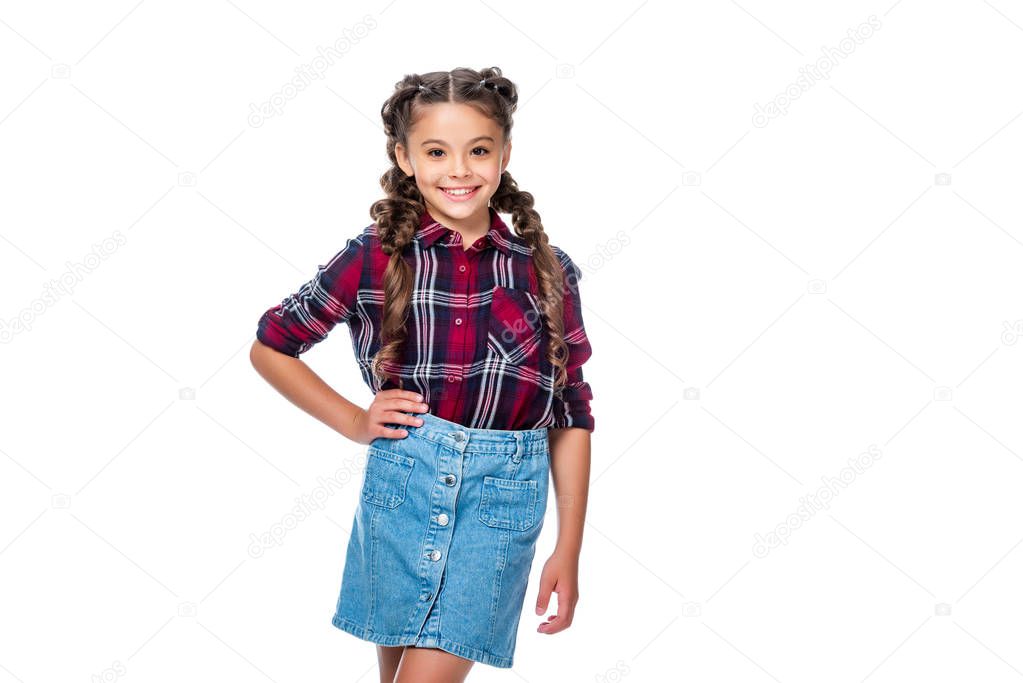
(441, 142)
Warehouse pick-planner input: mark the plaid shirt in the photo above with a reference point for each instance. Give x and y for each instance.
(476, 340)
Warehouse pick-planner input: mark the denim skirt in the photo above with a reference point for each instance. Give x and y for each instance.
(444, 537)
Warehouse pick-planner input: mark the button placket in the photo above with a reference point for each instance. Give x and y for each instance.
(463, 280)
(439, 535)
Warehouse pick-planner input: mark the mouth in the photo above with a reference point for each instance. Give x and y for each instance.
(460, 194)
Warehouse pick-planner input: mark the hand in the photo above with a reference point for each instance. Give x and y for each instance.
(387, 408)
(561, 575)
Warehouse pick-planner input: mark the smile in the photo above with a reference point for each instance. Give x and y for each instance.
(459, 194)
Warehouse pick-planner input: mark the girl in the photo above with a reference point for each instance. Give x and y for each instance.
(471, 338)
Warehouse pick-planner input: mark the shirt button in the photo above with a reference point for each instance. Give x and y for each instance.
(451, 378)
(461, 269)
(449, 480)
(442, 519)
(458, 321)
(435, 555)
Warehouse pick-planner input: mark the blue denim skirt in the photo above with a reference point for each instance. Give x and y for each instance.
(444, 537)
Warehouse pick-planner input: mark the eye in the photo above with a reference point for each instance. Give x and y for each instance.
(483, 150)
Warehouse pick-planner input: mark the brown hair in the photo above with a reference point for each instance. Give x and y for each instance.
(397, 215)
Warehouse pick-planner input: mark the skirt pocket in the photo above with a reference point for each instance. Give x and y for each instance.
(508, 503)
(386, 477)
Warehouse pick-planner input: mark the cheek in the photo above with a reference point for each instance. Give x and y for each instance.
(426, 183)
(491, 172)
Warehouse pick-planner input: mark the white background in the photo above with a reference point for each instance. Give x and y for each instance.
(766, 304)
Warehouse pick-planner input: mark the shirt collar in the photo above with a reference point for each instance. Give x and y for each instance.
(430, 231)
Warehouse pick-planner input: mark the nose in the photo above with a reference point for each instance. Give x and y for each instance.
(459, 167)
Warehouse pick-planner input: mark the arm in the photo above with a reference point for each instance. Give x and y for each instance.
(569, 442)
(304, 319)
(297, 382)
(570, 472)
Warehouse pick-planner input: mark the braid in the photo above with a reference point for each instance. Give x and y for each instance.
(510, 199)
(397, 218)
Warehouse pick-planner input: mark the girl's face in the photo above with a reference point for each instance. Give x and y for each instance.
(455, 147)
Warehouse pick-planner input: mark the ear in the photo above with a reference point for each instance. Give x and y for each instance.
(506, 156)
(403, 161)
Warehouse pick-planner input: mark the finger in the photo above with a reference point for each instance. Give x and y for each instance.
(549, 626)
(567, 599)
(398, 417)
(407, 406)
(388, 433)
(401, 394)
(400, 404)
(555, 624)
(390, 421)
(543, 598)
(565, 616)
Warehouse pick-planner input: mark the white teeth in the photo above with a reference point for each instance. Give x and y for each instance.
(458, 192)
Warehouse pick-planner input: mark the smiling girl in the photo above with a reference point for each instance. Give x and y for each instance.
(471, 338)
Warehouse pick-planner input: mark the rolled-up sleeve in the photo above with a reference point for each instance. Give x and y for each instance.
(305, 317)
(572, 409)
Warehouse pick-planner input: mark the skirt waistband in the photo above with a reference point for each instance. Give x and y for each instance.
(476, 440)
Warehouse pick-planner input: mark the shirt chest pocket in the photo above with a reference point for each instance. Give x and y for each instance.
(515, 326)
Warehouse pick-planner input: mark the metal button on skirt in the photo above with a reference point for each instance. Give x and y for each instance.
(444, 537)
